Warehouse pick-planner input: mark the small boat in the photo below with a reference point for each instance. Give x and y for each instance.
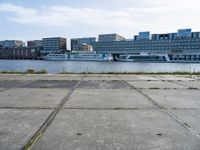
(144, 58)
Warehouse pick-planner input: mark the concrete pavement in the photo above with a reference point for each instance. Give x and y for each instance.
(99, 112)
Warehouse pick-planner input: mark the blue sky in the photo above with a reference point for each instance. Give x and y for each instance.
(28, 19)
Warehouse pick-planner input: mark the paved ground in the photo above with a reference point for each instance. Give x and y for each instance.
(99, 112)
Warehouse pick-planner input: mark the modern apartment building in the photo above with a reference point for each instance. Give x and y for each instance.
(54, 45)
(110, 37)
(82, 44)
(11, 44)
(184, 41)
(34, 43)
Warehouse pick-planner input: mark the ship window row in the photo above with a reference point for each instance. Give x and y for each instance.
(166, 46)
(153, 45)
(115, 49)
(186, 46)
(186, 43)
(186, 40)
(151, 41)
(134, 46)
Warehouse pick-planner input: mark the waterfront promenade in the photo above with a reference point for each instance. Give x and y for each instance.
(99, 112)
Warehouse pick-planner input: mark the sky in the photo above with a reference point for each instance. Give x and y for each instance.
(35, 19)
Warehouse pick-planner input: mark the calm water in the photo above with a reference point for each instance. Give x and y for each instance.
(95, 67)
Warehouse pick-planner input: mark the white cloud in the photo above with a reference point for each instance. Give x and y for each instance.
(173, 3)
(151, 14)
(181, 3)
(64, 15)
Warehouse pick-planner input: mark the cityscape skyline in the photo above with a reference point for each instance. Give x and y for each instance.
(148, 34)
(26, 20)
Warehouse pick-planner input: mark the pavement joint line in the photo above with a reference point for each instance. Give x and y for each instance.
(157, 88)
(195, 132)
(26, 108)
(183, 108)
(163, 109)
(189, 87)
(120, 108)
(5, 89)
(160, 78)
(116, 108)
(178, 83)
(173, 82)
(92, 108)
(29, 145)
(193, 77)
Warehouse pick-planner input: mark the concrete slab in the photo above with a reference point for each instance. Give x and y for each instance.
(101, 78)
(111, 130)
(70, 75)
(176, 77)
(107, 99)
(23, 76)
(102, 113)
(195, 84)
(101, 75)
(32, 76)
(138, 77)
(175, 98)
(32, 97)
(190, 117)
(2, 89)
(52, 84)
(63, 77)
(18, 126)
(196, 77)
(94, 84)
(13, 84)
(156, 85)
(9, 76)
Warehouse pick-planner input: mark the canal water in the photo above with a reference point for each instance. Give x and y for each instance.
(96, 67)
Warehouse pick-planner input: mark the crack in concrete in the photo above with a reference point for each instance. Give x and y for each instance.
(29, 145)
